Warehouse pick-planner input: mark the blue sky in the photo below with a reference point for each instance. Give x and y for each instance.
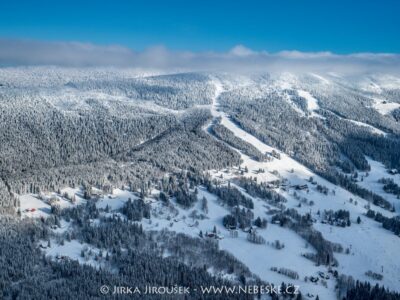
(309, 25)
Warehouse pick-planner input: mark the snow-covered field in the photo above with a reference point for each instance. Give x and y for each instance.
(116, 200)
(385, 107)
(74, 250)
(259, 258)
(31, 206)
(312, 103)
(371, 178)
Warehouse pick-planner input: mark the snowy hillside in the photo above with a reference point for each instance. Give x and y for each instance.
(203, 178)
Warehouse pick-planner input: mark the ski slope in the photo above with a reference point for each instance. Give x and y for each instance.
(362, 258)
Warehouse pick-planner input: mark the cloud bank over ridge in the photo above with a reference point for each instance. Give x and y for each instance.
(76, 54)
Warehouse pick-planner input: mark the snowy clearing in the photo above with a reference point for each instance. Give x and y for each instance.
(312, 103)
(74, 250)
(384, 107)
(32, 206)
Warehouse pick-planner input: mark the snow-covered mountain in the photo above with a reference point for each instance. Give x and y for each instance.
(241, 179)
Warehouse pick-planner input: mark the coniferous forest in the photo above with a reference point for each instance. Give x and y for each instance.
(113, 178)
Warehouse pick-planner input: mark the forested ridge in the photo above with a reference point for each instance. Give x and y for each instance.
(74, 140)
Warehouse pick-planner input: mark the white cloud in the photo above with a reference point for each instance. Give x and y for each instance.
(241, 50)
(239, 58)
(28, 52)
(305, 55)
